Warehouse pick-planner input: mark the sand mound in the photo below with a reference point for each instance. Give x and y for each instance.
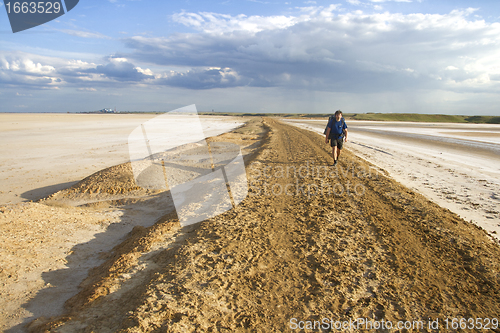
(118, 179)
(114, 183)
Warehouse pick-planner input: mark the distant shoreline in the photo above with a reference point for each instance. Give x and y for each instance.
(409, 117)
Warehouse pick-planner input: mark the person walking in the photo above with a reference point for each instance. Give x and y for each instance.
(336, 132)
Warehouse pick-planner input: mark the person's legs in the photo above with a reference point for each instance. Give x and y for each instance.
(333, 144)
(338, 147)
(334, 153)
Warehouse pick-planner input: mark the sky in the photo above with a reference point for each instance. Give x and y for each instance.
(359, 56)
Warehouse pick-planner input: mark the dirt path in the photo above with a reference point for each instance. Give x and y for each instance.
(292, 253)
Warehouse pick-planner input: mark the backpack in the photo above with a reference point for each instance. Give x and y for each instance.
(330, 119)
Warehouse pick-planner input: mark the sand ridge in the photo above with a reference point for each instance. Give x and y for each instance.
(375, 250)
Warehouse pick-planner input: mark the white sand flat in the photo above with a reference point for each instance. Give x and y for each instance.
(43, 153)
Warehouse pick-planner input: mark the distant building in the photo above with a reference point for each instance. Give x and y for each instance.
(108, 111)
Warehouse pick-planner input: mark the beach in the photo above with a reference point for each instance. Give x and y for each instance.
(83, 248)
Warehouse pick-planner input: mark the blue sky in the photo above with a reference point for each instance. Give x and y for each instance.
(257, 56)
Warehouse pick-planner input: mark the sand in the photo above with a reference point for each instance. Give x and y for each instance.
(455, 165)
(42, 154)
(104, 255)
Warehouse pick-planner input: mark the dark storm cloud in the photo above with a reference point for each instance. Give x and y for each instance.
(325, 50)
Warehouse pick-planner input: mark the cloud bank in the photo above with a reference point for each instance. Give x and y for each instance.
(323, 49)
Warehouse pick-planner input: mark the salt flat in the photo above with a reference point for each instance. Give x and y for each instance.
(455, 165)
(44, 153)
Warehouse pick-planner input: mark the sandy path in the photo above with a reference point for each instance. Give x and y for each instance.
(289, 255)
(455, 165)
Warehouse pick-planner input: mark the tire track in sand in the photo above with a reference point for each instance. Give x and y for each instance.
(381, 252)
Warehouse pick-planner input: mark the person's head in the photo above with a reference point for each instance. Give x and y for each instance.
(338, 115)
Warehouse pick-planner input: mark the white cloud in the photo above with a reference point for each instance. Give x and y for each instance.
(30, 70)
(27, 66)
(84, 34)
(219, 23)
(20, 70)
(222, 23)
(320, 49)
(146, 71)
(117, 60)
